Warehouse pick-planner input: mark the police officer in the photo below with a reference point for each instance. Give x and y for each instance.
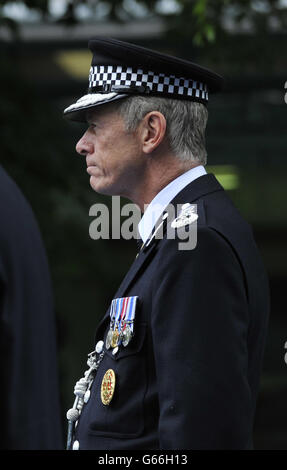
(179, 352)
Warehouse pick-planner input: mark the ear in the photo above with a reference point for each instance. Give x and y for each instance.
(153, 131)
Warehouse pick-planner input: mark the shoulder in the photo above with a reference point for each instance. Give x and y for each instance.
(16, 213)
(214, 221)
(199, 243)
(21, 241)
(189, 228)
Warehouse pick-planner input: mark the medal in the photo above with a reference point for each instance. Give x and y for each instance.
(109, 338)
(124, 311)
(119, 309)
(127, 335)
(128, 326)
(122, 315)
(108, 387)
(112, 323)
(114, 338)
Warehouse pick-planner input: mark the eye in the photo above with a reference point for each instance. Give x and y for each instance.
(92, 125)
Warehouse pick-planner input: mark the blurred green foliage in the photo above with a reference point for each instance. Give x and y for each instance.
(37, 150)
(202, 21)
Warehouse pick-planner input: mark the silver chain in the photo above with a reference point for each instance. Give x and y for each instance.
(82, 391)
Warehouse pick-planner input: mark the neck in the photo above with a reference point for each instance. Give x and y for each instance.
(156, 177)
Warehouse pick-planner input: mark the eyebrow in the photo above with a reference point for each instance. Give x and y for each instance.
(90, 117)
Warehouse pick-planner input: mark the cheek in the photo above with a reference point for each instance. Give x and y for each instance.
(108, 167)
(117, 157)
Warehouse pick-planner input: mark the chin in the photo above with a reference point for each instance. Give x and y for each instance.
(102, 188)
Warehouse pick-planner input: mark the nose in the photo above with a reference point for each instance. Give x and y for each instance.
(84, 146)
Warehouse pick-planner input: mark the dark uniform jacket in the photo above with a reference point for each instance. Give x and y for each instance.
(189, 377)
(29, 401)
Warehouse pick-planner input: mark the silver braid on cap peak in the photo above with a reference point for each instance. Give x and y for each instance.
(119, 79)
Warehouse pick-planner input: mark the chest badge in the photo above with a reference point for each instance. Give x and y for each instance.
(186, 216)
(108, 387)
(122, 315)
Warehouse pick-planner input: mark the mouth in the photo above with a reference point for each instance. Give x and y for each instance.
(91, 169)
(91, 165)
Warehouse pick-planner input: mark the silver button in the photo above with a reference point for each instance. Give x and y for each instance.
(115, 350)
(99, 346)
(87, 396)
(76, 445)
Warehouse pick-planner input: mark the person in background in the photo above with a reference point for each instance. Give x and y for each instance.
(29, 402)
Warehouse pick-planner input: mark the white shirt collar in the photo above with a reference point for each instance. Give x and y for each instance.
(163, 198)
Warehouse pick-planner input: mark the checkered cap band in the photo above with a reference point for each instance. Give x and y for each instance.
(118, 76)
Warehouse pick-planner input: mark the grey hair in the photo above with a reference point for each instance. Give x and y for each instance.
(186, 123)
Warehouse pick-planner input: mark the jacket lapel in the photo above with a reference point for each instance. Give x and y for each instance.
(138, 265)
